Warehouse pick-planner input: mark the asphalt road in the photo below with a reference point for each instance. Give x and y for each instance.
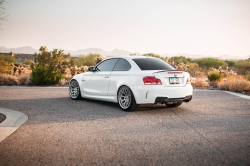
(213, 129)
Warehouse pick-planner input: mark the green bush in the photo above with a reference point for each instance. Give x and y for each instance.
(41, 76)
(86, 60)
(231, 63)
(243, 66)
(179, 59)
(49, 67)
(8, 58)
(214, 76)
(209, 62)
(28, 62)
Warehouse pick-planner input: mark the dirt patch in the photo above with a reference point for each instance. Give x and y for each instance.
(2, 118)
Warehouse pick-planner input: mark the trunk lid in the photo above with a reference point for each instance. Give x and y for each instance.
(172, 78)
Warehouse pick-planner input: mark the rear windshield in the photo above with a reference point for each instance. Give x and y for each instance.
(153, 64)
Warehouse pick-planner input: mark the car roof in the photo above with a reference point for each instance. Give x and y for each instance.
(131, 57)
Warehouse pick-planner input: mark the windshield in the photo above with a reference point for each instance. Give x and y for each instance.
(152, 64)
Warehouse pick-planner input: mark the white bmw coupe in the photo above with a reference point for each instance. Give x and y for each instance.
(133, 80)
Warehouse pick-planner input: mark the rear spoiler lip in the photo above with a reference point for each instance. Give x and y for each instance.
(170, 70)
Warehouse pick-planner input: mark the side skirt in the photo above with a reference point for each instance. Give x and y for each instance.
(102, 98)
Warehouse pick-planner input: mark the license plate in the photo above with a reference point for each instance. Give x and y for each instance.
(174, 80)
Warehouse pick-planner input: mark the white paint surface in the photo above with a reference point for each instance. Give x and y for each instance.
(13, 121)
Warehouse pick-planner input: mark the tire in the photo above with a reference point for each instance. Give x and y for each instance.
(174, 104)
(74, 90)
(126, 99)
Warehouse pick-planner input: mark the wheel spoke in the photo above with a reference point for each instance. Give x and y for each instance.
(74, 89)
(124, 97)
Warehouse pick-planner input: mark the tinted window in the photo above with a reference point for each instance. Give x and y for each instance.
(107, 65)
(122, 65)
(153, 64)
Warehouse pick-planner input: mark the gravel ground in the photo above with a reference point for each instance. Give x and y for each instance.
(2, 118)
(213, 129)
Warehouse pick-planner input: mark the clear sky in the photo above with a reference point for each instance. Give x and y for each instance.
(207, 27)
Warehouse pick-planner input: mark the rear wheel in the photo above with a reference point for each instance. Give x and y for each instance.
(74, 90)
(126, 99)
(173, 104)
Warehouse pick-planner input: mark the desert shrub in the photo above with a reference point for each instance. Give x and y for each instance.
(23, 79)
(193, 68)
(181, 66)
(243, 66)
(8, 58)
(62, 82)
(234, 83)
(214, 76)
(7, 80)
(200, 83)
(41, 76)
(28, 62)
(209, 62)
(248, 78)
(4, 67)
(231, 63)
(239, 86)
(49, 67)
(86, 60)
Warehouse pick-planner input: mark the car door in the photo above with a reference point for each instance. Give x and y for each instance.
(119, 75)
(97, 82)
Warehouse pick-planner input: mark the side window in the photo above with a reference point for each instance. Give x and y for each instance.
(107, 65)
(122, 65)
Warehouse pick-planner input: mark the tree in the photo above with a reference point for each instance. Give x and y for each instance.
(8, 58)
(87, 60)
(231, 63)
(4, 66)
(193, 68)
(2, 14)
(209, 62)
(243, 66)
(49, 67)
(179, 59)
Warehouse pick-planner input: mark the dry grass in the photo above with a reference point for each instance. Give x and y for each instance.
(200, 83)
(6, 80)
(62, 82)
(23, 79)
(235, 84)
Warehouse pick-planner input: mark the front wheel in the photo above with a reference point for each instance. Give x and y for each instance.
(126, 99)
(173, 104)
(74, 90)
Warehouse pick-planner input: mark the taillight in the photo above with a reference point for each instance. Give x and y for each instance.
(151, 81)
(189, 81)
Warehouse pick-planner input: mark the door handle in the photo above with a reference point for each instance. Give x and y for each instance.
(106, 76)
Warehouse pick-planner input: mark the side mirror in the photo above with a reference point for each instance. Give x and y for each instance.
(92, 69)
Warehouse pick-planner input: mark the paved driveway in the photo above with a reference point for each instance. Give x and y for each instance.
(213, 129)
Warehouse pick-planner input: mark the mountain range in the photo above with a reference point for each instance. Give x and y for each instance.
(30, 50)
(115, 52)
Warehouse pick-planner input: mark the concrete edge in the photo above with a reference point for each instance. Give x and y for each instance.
(14, 119)
(232, 93)
(238, 94)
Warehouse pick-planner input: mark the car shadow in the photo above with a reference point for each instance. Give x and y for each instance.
(64, 109)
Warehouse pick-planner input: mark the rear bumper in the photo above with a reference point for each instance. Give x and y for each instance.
(151, 94)
(166, 99)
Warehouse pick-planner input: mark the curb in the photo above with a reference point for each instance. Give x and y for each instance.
(238, 94)
(229, 92)
(14, 119)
